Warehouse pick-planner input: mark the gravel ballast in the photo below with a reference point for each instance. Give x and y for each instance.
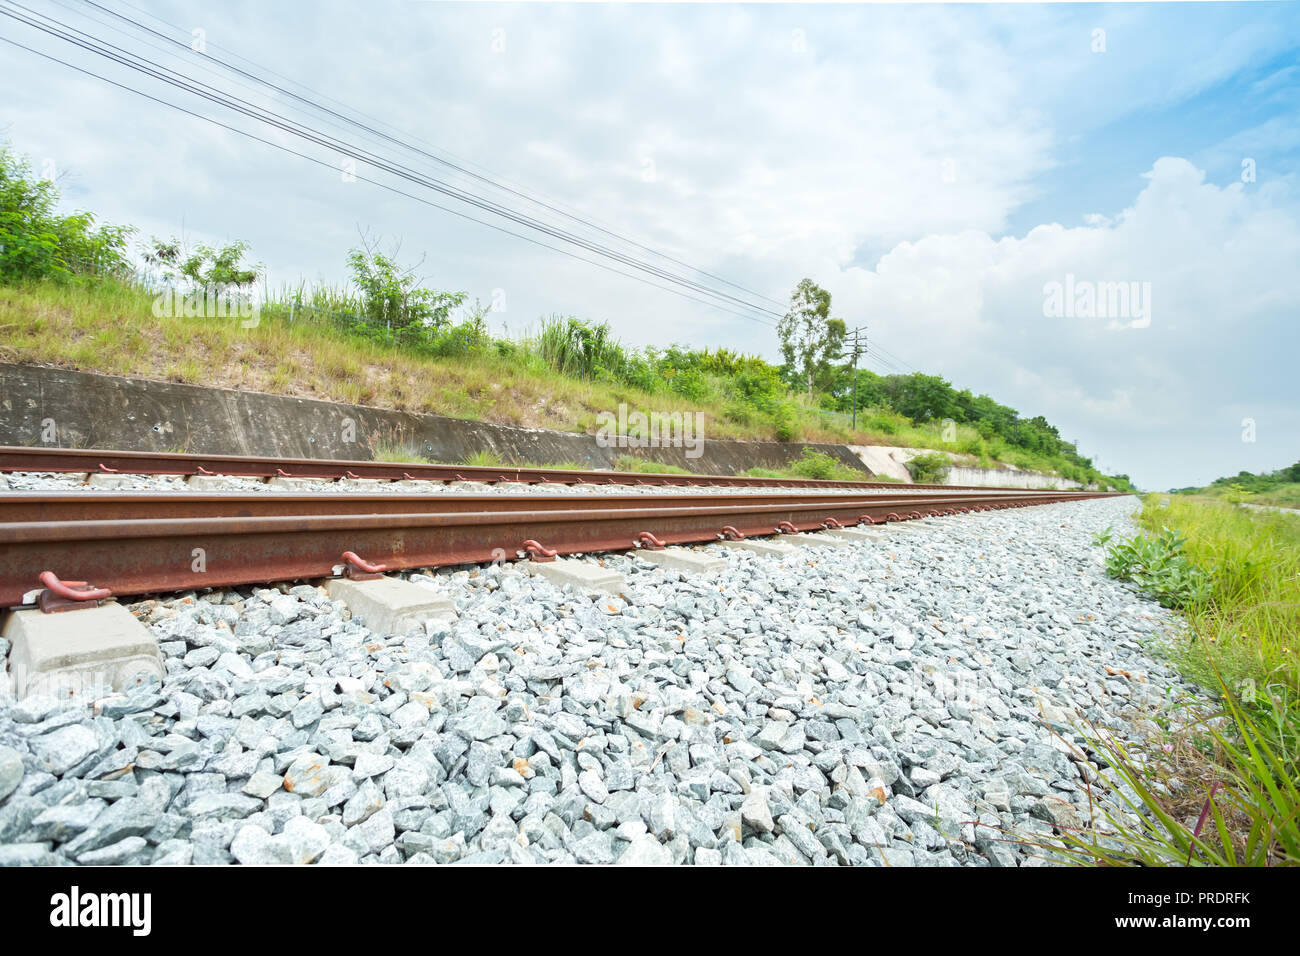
(617, 484)
(906, 702)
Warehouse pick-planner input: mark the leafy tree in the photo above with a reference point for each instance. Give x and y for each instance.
(203, 266)
(396, 307)
(38, 243)
(810, 339)
(920, 397)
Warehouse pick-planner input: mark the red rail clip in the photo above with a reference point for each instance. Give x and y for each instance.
(650, 542)
(104, 467)
(204, 471)
(538, 552)
(866, 519)
(786, 527)
(68, 595)
(359, 569)
(728, 533)
(831, 523)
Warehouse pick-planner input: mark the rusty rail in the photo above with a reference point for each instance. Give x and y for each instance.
(91, 460)
(218, 541)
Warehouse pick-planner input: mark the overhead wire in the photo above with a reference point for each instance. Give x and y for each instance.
(148, 67)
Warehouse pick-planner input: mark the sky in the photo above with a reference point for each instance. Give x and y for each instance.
(944, 171)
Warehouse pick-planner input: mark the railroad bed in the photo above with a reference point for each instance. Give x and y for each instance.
(905, 700)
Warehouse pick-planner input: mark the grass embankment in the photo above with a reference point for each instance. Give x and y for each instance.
(1281, 496)
(1219, 785)
(109, 326)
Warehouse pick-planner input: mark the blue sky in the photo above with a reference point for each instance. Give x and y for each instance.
(932, 166)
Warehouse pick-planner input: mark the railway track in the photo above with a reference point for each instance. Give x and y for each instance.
(91, 461)
(132, 543)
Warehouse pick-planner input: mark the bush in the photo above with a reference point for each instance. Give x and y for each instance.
(396, 309)
(1159, 568)
(786, 429)
(464, 338)
(739, 413)
(929, 468)
(814, 464)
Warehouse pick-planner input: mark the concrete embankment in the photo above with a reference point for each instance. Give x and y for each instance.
(58, 407)
(70, 409)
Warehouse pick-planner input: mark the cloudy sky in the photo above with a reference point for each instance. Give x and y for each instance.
(937, 168)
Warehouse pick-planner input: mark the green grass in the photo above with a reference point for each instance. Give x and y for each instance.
(1244, 809)
(396, 454)
(645, 467)
(1216, 785)
(1283, 496)
(304, 351)
(1249, 627)
(1286, 495)
(482, 459)
(813, 464)
(557, 465)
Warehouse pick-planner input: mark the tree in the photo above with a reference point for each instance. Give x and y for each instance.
(920, 397)
(396, 306)
(810, 339)
(204, 267)
(38, 243)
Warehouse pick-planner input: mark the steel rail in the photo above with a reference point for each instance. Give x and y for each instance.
(33, 506)
(128, 556)
(91, 460)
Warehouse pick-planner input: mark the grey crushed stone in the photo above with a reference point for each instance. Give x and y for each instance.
(910, 702)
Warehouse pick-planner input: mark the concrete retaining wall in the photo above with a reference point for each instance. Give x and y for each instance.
(1007, 478)
(58, 407)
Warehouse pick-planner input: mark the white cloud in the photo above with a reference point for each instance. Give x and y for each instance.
(1220, 263)
(773, 164)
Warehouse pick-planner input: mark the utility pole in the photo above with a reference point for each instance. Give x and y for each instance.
(857, 338)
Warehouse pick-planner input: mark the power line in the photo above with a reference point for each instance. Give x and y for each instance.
(220, 97)
(374, 182)
(407, 145)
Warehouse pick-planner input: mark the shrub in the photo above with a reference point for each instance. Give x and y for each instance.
(395, 308)
(814, 464)
(929, 468)
(1159, 567)
(817, 464)
(786, 429)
